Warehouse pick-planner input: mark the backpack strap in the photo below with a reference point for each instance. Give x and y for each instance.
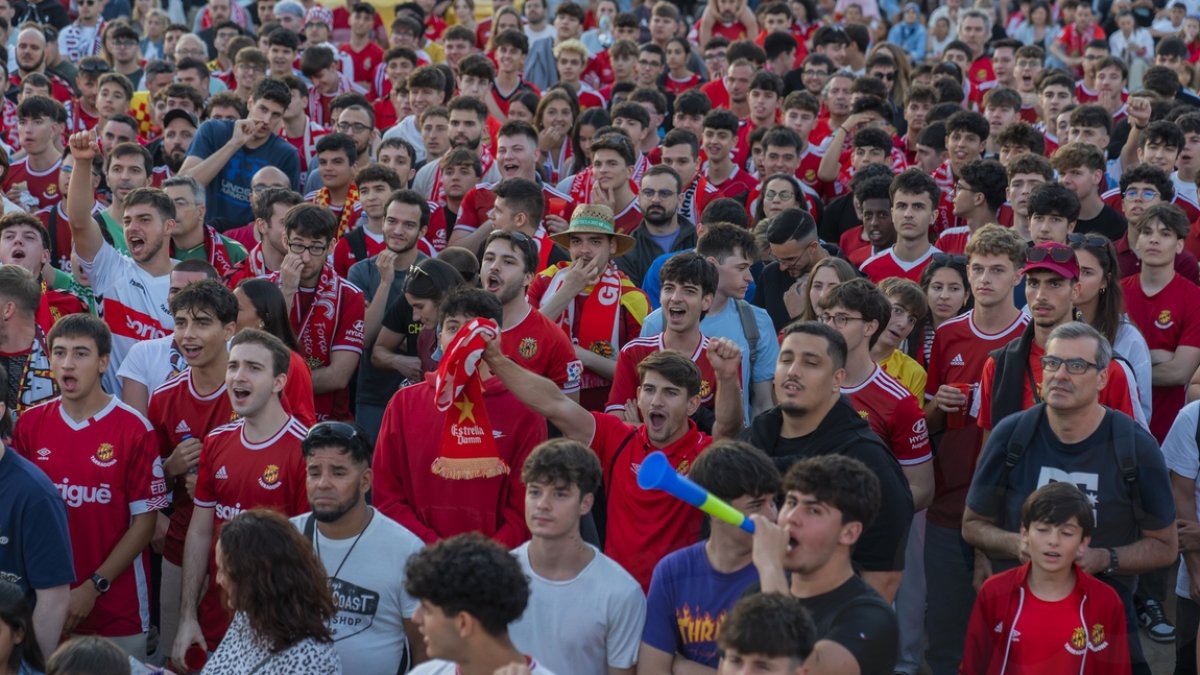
(750, 329)
(358, 243)
(612, 464)
(1022, 435)
(310, 526)
(1125, 448)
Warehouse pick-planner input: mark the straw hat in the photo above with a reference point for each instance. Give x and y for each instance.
(594, 219)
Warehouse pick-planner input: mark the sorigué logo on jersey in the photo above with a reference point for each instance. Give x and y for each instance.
(104, 455)
(270, 477)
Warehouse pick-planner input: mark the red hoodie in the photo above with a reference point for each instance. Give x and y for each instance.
(1096, 645)
(407, 491)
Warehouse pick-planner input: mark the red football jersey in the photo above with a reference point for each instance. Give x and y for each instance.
(306, 146)
(107, 470)
(343, 255)
(178, 413)
(810, 161)
(894, 415)
(953, 240)
(236, 475)
(365, 62)
(885, 264)
(717, 93)
(625, 379)
(677, 87)
(1167, 324)
(737, 186)
(541, 347)
(42, 185)
(479, 200)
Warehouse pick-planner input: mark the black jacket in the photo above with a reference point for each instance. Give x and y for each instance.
(845, 432)
(645, 250)
(1012, 374)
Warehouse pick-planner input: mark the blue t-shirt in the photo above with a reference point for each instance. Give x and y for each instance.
(229, 191)
(687, 602)
(727, 323)
(35, 546)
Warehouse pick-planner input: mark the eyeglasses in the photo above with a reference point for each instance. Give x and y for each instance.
(948, 259)
(959, 187)
(657, 194)
(1051, 364)
(352, 127)
(884, 76)
(715, 57)
(649, 64)
(839, 320)
(314, 249)
(1144, 194)
(779, 194)
(124, 42)
(338, 430)
(1058, 253)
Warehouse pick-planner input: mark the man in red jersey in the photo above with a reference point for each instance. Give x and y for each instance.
(411, 437)
(375, 184)
(591, 299)
(978, 194)
(914, 199)
(25, 243)
(731, 90)
(719, 142)
(508, 267)
(253, 462)
(642, 526)
(960, 349)
(858, 310)
(1158, 301)
(32, 181)
(689, 283)
(364, 52)
(516, 157)
(184, 411)
(520, 205)
(336, 157)
(299, 129)
(326, 311)
(512, 46)
(103, 457)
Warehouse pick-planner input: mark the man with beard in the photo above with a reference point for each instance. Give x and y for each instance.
(179, 128)
(381, 279)
(31, 58)
(338, 457)
(225, 155)
(507, 269)
(192, 238)
(336, 156)
(814, 419)
(662, 230)
(468, 121)
(376, 183)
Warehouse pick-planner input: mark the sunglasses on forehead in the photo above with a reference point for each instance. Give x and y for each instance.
(1059, 254)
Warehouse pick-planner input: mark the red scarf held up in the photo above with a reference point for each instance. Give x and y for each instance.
(468, 449)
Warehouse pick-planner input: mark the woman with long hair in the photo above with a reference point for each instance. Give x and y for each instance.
(408, 337)
(780, 192)
(903, 65)
(826, 274)
(948, 291)
(19, 650)
(678, 78)
(581, 138)
(261, 305)
(1101, 304)
(1041, 30)
(279, 593)
(555, 116)
(506, 18)
(522, 107)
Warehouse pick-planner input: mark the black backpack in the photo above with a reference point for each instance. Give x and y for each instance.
(1121, 443)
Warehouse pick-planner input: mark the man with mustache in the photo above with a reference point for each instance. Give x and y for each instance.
(179, 128)
(659, 200)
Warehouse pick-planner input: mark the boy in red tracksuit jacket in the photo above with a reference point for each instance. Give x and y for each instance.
(1048, 615)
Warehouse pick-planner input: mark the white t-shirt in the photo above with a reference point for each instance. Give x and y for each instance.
(1181, 457)
(134, 305)
(368, 631)
(152, 362)
(439, 667)
(586, 624)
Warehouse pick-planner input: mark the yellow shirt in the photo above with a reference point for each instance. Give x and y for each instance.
(909, 373)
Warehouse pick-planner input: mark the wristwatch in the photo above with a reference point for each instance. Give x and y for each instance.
(1114, 562)
(101, 583)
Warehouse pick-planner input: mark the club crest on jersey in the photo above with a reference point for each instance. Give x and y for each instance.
(1164, 320)
(705, 389)
(270, 477)
(104, 456)
(528, 348)
(1078, 643)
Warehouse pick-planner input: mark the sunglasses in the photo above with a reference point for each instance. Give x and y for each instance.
(415, 269)
(93, 67)
(948, 259)
(338, 430)
(1058, 253)
(1086, 240)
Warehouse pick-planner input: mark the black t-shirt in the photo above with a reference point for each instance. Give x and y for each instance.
(855, 617)
(1091, 465)
(1108, 223)
(770, 287)
(839, 217)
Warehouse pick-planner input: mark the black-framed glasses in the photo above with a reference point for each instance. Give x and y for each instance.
(838, 320)
(960, 187)
(352, 127)
(948, 259)
(1058, 253)
(338, 430)
(313, 249)
(1051, 364)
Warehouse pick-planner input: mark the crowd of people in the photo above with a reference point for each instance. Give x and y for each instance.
(334, 338)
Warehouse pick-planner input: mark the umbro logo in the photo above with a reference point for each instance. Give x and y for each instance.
(183, 428)
(957, 360)
(43, 454)
(222, 474)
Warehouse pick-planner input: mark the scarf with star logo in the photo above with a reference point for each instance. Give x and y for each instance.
(468, 449)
